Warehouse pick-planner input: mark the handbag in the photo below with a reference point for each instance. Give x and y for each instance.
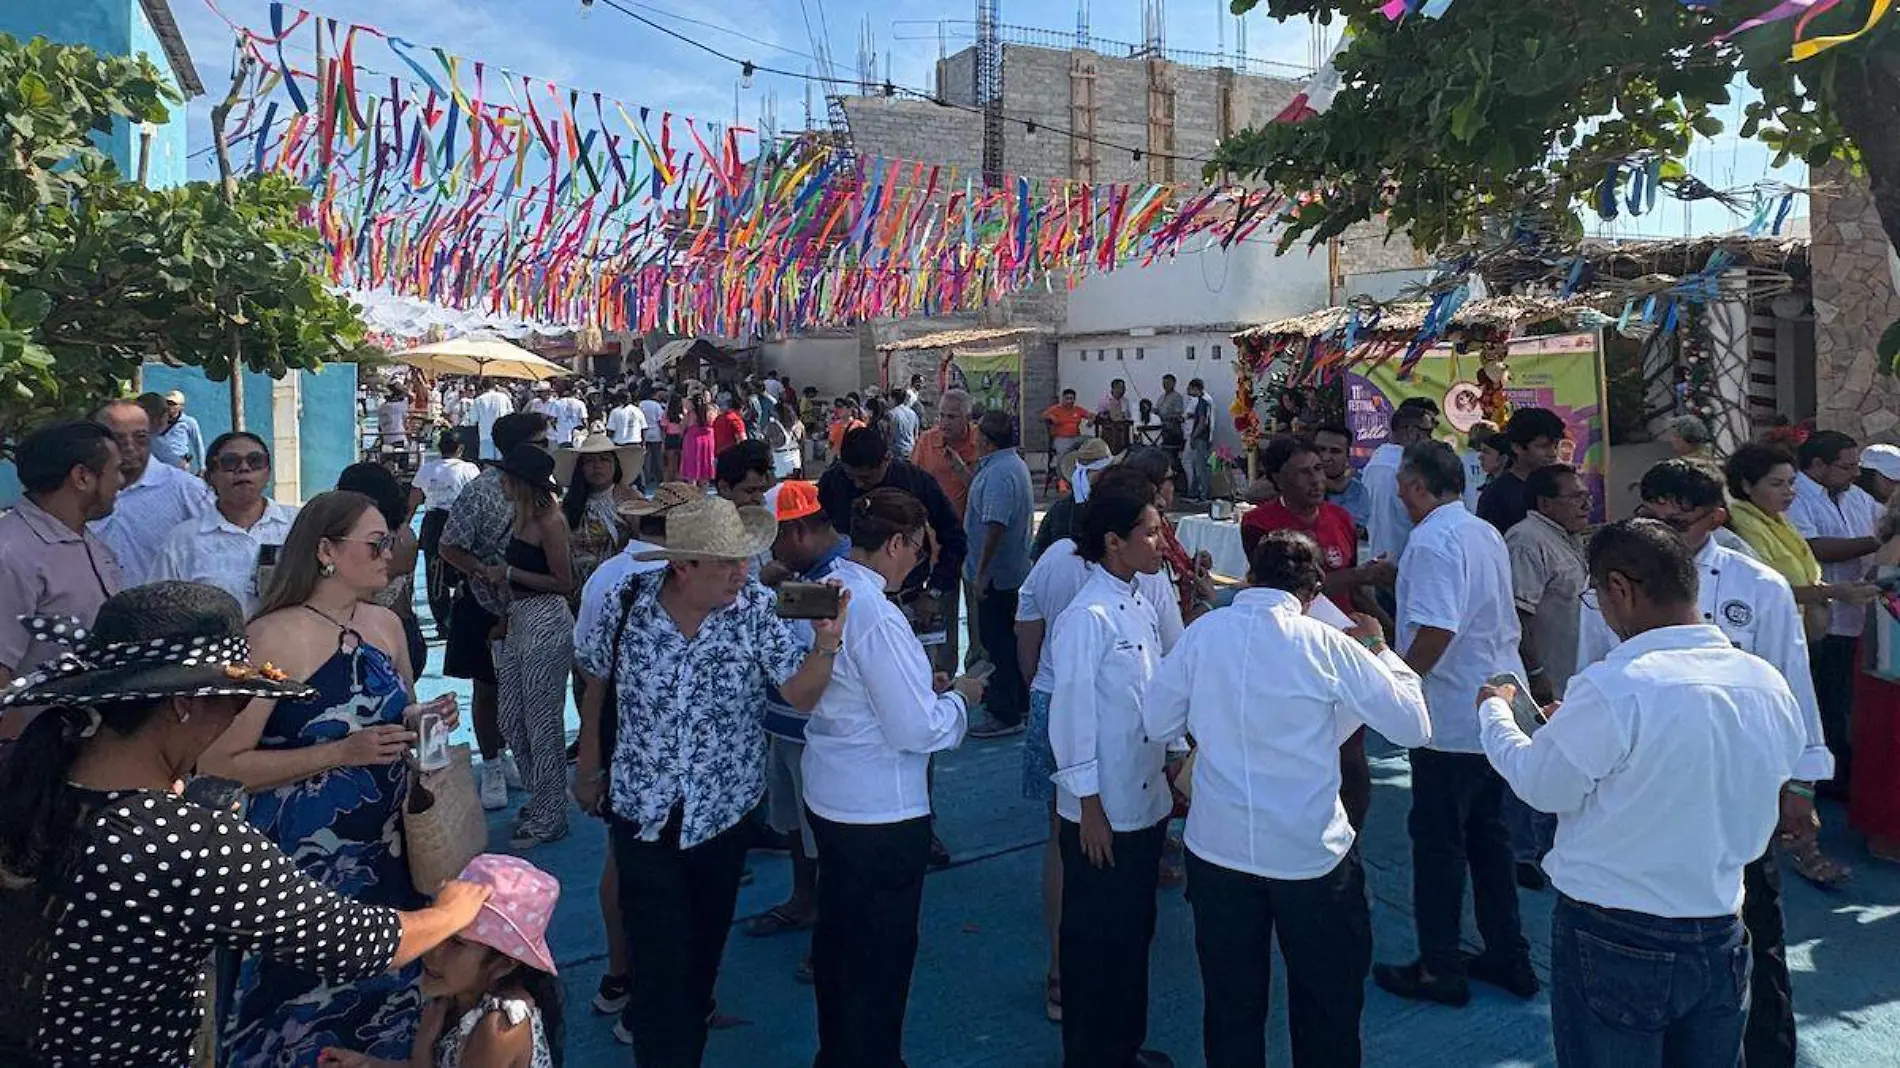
(442, 822)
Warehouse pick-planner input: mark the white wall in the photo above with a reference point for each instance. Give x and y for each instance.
(830, 363)
(1245, 285)
(1087, 363)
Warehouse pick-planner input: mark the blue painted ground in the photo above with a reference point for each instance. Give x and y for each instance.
(976, 1000)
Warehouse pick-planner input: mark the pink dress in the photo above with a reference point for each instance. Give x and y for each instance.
(696, 451)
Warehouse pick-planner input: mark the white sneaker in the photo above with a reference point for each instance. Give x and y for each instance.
(509, 773)
(621, 1034)
(494, 789)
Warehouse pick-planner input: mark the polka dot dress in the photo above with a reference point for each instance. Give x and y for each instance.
(159, 885)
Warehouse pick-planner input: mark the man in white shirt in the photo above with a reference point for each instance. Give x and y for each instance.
(1389, 524)
(155, 500)
(626, 421)
(1457, 622)
(224, 547)
(493, 403)
(1270, 845)
(1662, 766)
(441, 479)
(1754, 607)
(1838, 519)
(652, 435)
(568, 413)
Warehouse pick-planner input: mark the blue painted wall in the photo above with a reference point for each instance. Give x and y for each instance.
(210, 402)
(326, 427)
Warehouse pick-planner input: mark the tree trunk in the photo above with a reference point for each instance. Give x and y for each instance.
(1869, 112)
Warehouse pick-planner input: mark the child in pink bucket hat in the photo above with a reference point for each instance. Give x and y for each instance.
(492, 995)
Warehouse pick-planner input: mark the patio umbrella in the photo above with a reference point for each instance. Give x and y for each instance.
(485, 357)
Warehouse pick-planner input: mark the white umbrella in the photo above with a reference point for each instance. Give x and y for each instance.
(486, 357)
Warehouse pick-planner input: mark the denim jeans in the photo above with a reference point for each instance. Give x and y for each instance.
(1198, 453)
(1630, 990)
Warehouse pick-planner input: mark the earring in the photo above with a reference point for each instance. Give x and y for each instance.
(327, 570)
(184, 716)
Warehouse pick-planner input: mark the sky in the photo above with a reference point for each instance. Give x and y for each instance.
(608, 51)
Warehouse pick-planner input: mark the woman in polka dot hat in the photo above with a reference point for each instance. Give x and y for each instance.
(493, 999)
(113, 890)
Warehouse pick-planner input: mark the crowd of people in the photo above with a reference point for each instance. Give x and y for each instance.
(211, 708)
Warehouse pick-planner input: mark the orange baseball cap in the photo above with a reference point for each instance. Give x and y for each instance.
(793, 499)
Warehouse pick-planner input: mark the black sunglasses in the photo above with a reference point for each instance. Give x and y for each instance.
(232, 462)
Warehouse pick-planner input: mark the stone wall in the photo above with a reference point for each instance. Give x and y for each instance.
(1856, 296)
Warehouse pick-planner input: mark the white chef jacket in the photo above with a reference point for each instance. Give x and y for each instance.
(1664, 767)
(1058, 576)
(869, 740)
(1854, 514)
(1456, 576)
(1269, 695)
(1389, 525)
(1753, 605)
(1107, 644)
(217, 552)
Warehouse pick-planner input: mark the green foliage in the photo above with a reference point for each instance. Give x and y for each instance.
(98, 273)
(1507, 106)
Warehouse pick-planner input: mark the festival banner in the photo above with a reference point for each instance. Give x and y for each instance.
(1562, 373)
(993, 379)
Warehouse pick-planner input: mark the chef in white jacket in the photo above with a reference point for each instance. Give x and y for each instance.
(867, 794)
(1111, 795)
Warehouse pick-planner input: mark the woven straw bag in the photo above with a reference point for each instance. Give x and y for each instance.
(443, 824)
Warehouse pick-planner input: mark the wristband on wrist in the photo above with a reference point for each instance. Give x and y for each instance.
(1373, 643)
(1536, 672)
(1800, 789)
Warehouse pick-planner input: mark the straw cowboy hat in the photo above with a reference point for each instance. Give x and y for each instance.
(668, 496)
(714, 529)
(567, 457)
(1091, 451)
(201, 652)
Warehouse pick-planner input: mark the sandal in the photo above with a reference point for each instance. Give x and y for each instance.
(1815, 866)
(1052, 998)
(776, 920)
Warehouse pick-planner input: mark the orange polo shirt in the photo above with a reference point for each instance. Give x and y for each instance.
(933, 455)
(839, 428)
(1066, 419)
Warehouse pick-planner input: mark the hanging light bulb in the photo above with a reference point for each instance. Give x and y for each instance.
(587, 8)
(745, 74)
(1137, 155)
(1029, 131)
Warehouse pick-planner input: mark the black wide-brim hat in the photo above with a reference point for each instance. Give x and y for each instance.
(166, 639)
(532, 465)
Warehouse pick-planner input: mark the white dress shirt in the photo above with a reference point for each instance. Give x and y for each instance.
(654, 413)
(1456, 576)
(627, 424)
(1055, 580)
(869, 740)
(1753, 605)
(1663, 767)
(146, 513)
(1269, 695)
(1389, 525)
(1816, 513)
(217, 552)
(1107, 644)
(487, 408)
(441, 479)
(598, 593)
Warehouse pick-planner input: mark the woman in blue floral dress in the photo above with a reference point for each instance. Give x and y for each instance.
(327, 780)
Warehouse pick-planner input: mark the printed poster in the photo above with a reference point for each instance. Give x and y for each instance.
(1561, 372)
(993, 379)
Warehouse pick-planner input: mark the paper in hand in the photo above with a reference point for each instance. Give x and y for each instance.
(1324, 610)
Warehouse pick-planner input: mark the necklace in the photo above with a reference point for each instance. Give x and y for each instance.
(340, 624)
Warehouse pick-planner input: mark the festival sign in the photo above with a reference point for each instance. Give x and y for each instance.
(1562, 372)
(994, 380)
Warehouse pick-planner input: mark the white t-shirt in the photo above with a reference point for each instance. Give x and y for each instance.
(441, 480)
(627, 424)
(655, 414)
(392, 422)
(487, 408)
(569, 414)
(1456, 576)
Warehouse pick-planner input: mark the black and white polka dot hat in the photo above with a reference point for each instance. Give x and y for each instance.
(166, 639)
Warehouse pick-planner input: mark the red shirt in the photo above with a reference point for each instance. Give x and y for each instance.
(728, 429)
(1332, 528)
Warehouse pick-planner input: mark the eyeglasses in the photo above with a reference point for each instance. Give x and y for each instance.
(378, 547)
(232, 462)
(1681, 524)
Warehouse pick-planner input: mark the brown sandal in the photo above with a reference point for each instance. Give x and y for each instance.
(1815, 866)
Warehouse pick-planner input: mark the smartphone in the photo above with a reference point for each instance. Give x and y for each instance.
(809, 600)
(1524, 707)
(432, 743)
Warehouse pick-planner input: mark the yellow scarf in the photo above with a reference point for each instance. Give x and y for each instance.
(1777, 542)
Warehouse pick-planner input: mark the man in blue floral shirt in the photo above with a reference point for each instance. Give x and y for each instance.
(700, 644)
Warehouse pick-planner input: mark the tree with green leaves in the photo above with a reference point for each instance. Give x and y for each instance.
(1499, 107)
(98, 273)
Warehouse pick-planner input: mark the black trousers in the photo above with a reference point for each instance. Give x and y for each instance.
(1108, 922)
(870, 891)
(441, 578)
(1005, 695)
(1325, 930)
(1832, 663)
(1456, 825)
(677, 906)
(1769, 1041)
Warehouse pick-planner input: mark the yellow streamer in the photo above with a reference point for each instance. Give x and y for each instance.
(1814, 46)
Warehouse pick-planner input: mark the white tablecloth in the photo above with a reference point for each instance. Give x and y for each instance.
(1221, 540)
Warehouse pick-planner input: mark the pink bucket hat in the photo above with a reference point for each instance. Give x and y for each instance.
(514, 921)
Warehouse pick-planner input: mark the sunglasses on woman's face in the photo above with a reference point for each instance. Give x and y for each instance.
(232, 462)
(378, 547)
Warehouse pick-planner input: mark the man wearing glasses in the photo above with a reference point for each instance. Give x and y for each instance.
(155, 500)
(225, 547)
(1755, 609)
